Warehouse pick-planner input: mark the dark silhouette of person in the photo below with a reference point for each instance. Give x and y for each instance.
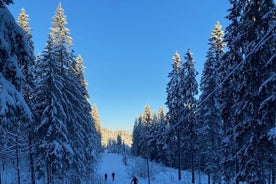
(105, 177)
(134, 180)
(113, 176)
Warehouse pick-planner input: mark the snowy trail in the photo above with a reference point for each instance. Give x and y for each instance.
(111, 162)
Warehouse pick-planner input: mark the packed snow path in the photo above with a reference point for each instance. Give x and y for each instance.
(111, 162)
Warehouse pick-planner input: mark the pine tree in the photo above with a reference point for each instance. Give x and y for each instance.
(147, 123)
(55, 153)
(139, 138)
(135, 138)
(141, 133)
(14, 111)
(28, 71)
(93, 126)
(173, 96)
(82, 132)
(80, 135)
(250, 37)
(64, 111)
(208, 112)
(60, 36)
(161, 137)
(189, 90)
(7, 2)
(96, 120)
(174, 109)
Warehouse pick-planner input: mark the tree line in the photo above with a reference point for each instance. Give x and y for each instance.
(227, 130)
(46, 123)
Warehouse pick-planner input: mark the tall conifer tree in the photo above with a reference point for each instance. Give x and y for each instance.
(65, 122)
(189, 90)
(174, 109)
(251, 41)
(28, 71)
(14, 111)
(208, 112)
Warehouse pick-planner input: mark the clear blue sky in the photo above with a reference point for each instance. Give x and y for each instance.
(127, 46)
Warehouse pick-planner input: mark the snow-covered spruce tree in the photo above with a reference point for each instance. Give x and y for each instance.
(152, 141)
(161, 137)
(14, 111)
(147, 123)
(173, 103)
(267, 89)
(28, 71)
(173, 94)
(251, 41)
(189, 90)
(135, 137)
(54, 151)
(7, 2)
(97, 124)
(82, 131)
(139, 138)
(141, 133)
(61, 37)
(65, 125)
(208, 112)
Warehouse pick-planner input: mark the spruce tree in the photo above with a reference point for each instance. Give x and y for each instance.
(173, 103)
(208, 112)
(14, 111)
(60, 35)
(97, 122)
(147, 123)
(55, 154)
(162, 138)
(64, 111)
(173, 94)
(189, 90)
(7, 2)
(251, 40)
(135, 138)
(28, 71)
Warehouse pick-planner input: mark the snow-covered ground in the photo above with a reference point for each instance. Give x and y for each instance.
(111, 162)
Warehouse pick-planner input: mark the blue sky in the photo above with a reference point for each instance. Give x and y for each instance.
(127, 46)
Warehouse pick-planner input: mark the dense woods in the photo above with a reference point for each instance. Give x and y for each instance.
(224, 125)
(46, 121)
(229, 131)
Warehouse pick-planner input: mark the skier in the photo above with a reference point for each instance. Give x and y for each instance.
(134, 180)
(113, 176)
(105, 177)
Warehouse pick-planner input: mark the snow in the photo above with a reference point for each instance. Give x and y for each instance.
(10, 97)
(109, 163)
(272, 132)
(112, 162)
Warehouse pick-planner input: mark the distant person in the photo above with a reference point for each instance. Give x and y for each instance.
(113, 176)
(134, 180)
(105, 177)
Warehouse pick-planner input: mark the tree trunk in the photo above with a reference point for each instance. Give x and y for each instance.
(48, 173)
(209, 178)
(179, 155)
(148, 170)
(1, 171)
(193, 168)
(17, 161)
(273, 175)
(237, 170)
(31, 159)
